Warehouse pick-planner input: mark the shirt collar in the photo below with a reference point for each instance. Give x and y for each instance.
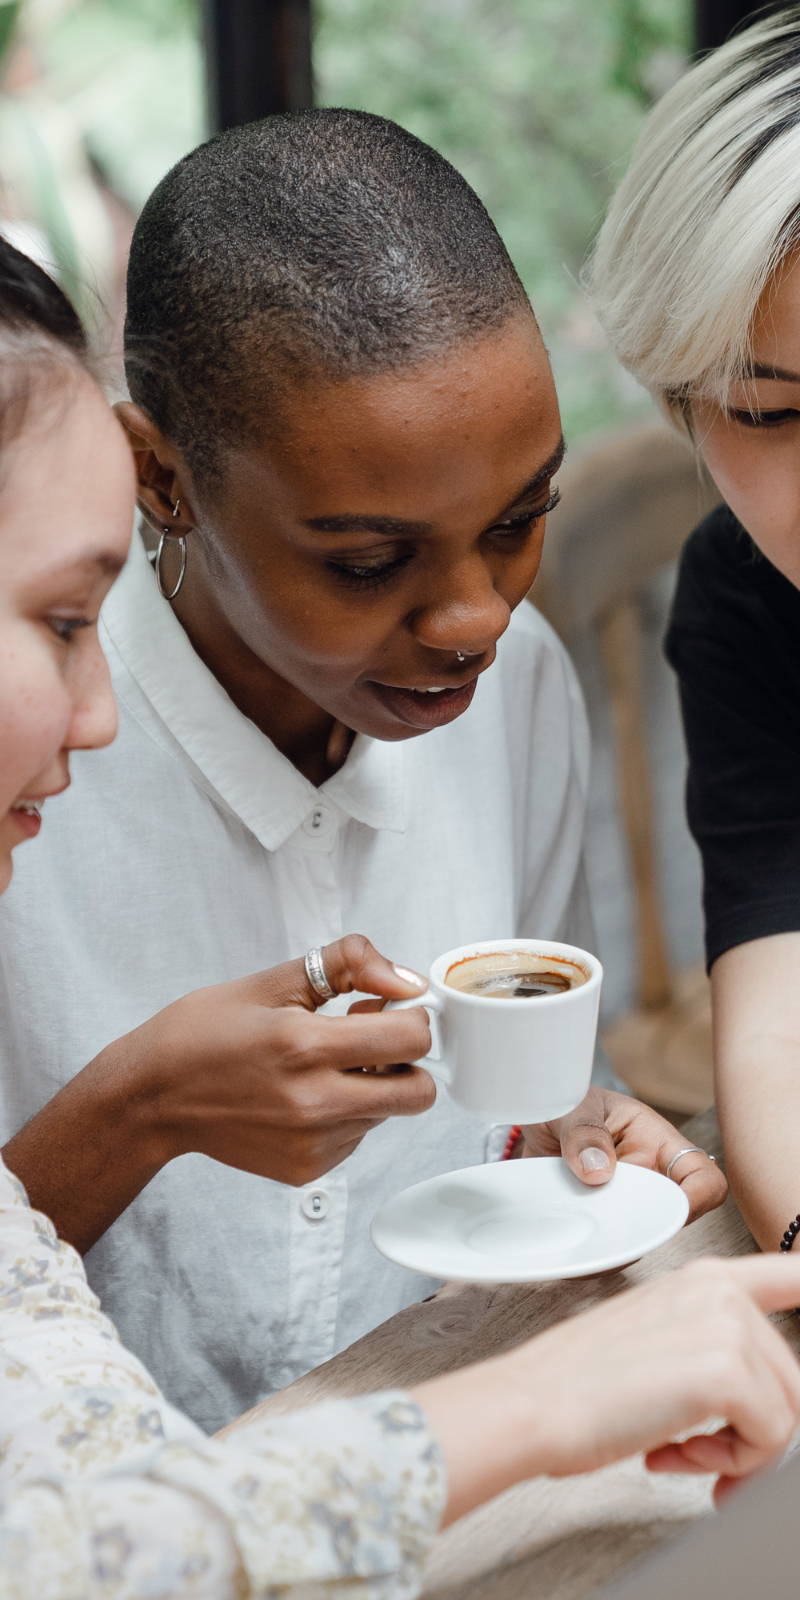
(254, 779)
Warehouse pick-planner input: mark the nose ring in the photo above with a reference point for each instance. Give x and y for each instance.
(460, 657)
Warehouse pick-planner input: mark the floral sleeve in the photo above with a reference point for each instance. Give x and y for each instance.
(107, 1491)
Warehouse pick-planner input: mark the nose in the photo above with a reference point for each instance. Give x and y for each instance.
(94, 720)
(465, 614)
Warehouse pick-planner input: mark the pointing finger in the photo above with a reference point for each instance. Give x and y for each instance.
(771, 1280)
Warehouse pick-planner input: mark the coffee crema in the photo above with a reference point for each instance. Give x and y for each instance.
(514, 975)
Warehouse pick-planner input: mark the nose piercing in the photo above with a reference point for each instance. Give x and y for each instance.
(460, 657)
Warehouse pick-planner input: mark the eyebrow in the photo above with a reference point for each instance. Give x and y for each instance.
(760, 369)
(110, 566)
(358, 522)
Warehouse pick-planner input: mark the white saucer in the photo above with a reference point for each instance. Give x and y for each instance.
(527, 1222)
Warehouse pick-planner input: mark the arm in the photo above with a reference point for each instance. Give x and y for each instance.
(628, 1376)
(101, 1478)
(756, 1007)
(98, 1471)
(244, 1072)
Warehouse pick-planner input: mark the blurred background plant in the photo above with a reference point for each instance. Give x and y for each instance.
(538, 102)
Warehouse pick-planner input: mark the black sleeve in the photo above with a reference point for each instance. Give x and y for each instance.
(734, 641)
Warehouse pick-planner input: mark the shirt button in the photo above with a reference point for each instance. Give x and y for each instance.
(320, 823)
(315, 1203)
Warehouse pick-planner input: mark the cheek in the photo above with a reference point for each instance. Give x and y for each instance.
(305, 622)
(34, 712)
(758, 476)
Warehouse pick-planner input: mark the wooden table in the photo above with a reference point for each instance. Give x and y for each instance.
(544, 1538)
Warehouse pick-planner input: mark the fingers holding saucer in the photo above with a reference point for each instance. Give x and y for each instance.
(587, 1143)
(697, 1174)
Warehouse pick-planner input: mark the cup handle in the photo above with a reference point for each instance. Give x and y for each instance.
(434, 1062)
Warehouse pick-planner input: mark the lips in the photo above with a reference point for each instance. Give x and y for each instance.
(419, 708)
(28, 818)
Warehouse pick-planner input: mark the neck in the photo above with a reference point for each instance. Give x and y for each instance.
(315, 743)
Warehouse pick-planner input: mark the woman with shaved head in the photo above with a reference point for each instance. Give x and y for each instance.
(106, 1491)
(336, 715)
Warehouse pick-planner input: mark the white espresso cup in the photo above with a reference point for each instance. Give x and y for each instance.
(513, 1059)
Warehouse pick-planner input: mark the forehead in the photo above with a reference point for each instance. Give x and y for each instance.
(776, 327)
(458, 426)
(66, 482)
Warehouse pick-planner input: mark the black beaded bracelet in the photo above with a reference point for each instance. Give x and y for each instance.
(790, 1235)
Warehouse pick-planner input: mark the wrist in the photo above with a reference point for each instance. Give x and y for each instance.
(128, 1092)
(514, 1145)
(91, 1149)
(491, 1425)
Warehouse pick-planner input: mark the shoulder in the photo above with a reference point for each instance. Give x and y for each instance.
(727, 590)
(530, 637)
(528, 702)
(734, 632)
(530, 698)
(528, 623)
(534, 668)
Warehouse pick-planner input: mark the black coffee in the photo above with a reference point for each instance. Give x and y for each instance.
(518, 985)
(514, 975)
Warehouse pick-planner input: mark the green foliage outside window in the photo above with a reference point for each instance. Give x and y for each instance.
(538, 102)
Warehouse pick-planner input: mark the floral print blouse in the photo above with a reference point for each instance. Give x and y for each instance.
(108, 1493)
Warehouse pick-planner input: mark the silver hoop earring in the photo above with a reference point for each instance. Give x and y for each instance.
(180, 539)
(175, 507)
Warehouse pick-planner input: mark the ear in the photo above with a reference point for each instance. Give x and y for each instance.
(161, 473)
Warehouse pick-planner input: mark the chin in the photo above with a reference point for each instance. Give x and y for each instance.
(6, 869)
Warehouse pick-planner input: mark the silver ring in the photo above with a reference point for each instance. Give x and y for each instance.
(315, 972)
(691, 1150)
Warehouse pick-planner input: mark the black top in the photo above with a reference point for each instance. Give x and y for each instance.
(734, 641)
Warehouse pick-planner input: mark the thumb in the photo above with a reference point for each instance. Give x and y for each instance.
(587, 1146)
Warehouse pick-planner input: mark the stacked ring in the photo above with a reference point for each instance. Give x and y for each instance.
(315, 972)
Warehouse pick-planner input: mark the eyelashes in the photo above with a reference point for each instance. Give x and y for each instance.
(368, 577)
(65, 627)
(373, 575)
(764, 419)
(528, 518)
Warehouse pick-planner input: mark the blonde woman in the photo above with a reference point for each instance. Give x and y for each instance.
(107, 1490)
(695, 279)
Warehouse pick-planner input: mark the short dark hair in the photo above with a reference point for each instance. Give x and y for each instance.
(39, 326)
(322, 241)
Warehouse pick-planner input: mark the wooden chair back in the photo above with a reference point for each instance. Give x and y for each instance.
(629, 501)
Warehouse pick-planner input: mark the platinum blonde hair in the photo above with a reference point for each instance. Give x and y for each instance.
(706, 214)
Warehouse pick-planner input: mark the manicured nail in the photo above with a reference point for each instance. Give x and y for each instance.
(594, 1160)
(411, 977)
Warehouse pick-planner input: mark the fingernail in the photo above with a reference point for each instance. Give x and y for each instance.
(594, 1160)
(411, 977)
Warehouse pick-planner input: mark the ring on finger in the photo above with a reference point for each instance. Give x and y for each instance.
(317, 977)
(690, 1150)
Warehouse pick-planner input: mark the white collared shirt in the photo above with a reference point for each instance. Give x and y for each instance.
(192, 852)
